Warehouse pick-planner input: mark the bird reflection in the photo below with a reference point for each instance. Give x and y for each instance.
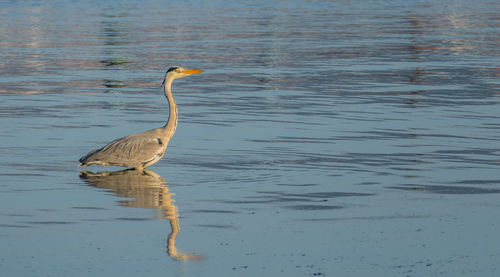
(146, 189)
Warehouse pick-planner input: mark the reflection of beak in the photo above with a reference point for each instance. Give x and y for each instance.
(192, 71)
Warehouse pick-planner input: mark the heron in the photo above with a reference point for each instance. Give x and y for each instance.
(143, 149)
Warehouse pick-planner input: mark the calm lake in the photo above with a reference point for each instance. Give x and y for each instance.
(325, 138)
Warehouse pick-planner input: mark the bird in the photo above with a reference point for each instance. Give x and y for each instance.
(141, 150)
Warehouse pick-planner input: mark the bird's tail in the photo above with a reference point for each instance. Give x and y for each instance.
(83, 160)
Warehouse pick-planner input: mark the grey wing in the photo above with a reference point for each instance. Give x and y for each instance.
(131, 150)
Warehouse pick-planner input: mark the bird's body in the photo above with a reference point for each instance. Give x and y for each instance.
(136, 151)
(146, 148)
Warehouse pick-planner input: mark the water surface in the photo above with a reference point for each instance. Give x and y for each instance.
(324, 138)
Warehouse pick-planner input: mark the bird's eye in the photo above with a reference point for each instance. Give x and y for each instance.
(178, 70)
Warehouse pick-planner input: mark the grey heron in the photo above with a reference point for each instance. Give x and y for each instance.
(146, 148)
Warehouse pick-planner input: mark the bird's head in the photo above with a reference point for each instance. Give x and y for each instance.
(177, 72)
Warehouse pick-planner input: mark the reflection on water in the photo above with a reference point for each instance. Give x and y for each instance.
(447, 189)
(146, 189)
(376, 122)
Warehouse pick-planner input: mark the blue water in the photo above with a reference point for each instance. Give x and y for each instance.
(334, 138)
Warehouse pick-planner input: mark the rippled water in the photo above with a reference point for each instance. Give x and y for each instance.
(331, 138)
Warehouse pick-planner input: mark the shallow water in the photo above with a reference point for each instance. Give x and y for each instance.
(324, 139)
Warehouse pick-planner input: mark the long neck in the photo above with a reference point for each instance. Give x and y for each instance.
(171, 125)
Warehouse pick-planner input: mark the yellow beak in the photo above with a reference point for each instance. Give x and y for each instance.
(192, 71)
